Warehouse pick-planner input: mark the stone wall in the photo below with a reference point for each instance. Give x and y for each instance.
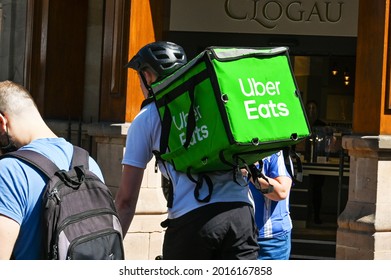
(364, 227)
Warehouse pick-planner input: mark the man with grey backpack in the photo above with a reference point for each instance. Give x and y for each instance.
(53, 202)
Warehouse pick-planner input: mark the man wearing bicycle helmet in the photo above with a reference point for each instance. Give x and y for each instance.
(224, 227)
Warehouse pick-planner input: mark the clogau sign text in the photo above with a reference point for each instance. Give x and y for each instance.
(296, 17)
(269, 13)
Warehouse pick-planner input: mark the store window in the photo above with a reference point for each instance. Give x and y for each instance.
(326, 83)
(328, 80)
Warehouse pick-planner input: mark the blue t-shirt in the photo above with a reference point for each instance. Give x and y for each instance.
(144, 137)
(21, 188)
(272, 217)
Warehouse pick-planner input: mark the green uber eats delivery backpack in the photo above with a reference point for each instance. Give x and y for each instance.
(229, 107)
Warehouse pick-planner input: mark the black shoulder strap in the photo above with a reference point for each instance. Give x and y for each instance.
(289, 154)
(147, 101)
(36, 159)
(80, 157)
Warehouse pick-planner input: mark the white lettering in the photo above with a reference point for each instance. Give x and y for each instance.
(272, 107)
(258, 88)
(182, 116)
(284, 112)
(182, 121)
(205, 132)
(199, 135)
(251, 92)
(182, 138)
(249, 110)
(272, 88)
(265, 111)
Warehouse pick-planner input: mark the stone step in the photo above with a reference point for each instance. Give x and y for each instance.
(308, 249)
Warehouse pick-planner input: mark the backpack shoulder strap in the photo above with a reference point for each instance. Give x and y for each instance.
(80, 157)
(147, 101)
(289, 154)
(35, 159)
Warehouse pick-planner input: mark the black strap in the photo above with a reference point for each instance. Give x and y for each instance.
(189, 87)
(36, 159)
(80, 157)
(198, 186)
(146, 102)
(191, 121)
(182, 88)
(290, 153)
(48, 167)
(170, 196)
(166, 128)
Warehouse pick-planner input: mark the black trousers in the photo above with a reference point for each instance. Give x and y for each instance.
(215, 231)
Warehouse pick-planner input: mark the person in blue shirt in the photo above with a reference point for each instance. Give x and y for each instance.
(271, 191)
(21, 185)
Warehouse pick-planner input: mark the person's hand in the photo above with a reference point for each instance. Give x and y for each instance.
(244, 172)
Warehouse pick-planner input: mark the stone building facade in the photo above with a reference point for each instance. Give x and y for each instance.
(109, 98)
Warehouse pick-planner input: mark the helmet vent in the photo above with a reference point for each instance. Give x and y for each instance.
(162, 56)
(178, 55)
(166, 65)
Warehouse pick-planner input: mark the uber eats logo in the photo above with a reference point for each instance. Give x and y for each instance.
(180, 121)
(255, 89)
(257, 104)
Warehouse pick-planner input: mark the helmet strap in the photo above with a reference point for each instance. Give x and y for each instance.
(147, 86)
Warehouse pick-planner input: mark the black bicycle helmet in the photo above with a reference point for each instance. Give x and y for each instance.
(163, 57)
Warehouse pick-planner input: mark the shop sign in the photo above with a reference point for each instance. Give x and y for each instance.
(297, 17)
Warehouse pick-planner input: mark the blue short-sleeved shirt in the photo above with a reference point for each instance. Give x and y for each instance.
(272, 217)
(21, 188)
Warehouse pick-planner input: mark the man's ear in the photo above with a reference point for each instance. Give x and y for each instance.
(3, 122)
(149, 78)
(146, 80)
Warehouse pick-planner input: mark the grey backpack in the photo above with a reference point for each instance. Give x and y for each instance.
(79, 219)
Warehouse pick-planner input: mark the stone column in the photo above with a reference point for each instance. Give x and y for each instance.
(364, 227)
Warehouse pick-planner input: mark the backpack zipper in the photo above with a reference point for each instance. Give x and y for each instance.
(54, 192)
(88, 237)
(77, 218)
(82, 216)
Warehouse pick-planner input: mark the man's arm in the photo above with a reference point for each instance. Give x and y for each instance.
(281, 187)
(127, 195)
(9, 230)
